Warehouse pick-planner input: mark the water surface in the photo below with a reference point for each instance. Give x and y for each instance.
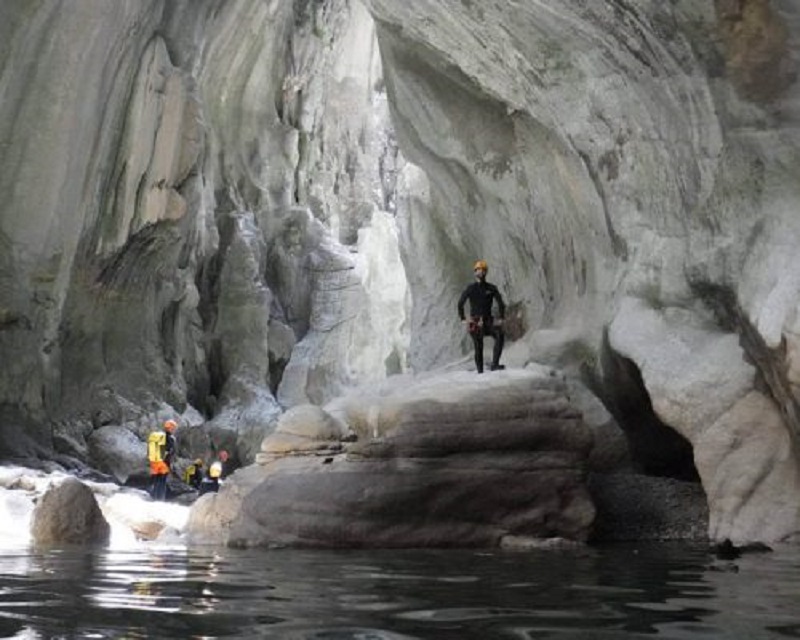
(632, 591)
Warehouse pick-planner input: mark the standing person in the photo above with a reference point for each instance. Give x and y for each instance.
(481, 296)
(160, 452)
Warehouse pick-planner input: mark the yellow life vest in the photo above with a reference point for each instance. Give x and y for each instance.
(188, 475)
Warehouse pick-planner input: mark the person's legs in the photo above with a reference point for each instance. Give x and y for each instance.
(160, 486)
(477, 343)
(499, 341)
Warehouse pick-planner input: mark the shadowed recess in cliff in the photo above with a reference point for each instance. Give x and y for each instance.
(656, 448)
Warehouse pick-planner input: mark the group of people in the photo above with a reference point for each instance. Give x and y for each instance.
(161, 448)
(481, 295)
(207, 482)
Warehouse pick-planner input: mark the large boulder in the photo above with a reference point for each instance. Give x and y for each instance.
(68, 513)
(443, 460)
(119, 452)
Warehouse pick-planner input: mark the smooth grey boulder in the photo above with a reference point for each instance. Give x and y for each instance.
(118, 452)
(302, 428)
(442, 460)
(68, 513)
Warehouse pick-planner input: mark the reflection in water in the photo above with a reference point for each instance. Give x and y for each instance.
(664, 591)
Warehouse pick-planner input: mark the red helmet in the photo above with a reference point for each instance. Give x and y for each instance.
(223, 455)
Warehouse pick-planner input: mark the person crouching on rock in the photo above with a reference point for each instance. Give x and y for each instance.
(160, 452)
(193, 475)
(210, 483)
(481, 296)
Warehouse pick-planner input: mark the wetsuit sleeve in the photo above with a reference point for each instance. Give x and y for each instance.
(501, 305)
(169, 452)
(461, 302)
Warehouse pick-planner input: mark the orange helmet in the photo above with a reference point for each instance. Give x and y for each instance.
(170, 426)
(480, 264)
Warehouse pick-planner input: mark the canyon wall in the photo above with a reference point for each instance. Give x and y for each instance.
(629, 170)
(221, 208)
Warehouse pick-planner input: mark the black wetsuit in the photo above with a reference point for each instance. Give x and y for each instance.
(481, 296)
(209, 485)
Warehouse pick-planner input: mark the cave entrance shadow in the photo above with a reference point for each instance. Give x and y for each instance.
(656, 448)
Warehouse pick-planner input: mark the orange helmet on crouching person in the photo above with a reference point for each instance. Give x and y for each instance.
(170, 426)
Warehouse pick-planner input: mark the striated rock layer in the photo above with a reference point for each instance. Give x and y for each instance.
(629, 171)
(447, 460)
(205, 213)
(197, 216)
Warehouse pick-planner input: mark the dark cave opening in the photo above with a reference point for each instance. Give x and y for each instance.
(656, 448)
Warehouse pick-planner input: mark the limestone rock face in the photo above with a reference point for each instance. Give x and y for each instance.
(231, 207)
(68, 513)
(118, 452)
(447, 460)
(197, 199)
(750, 474)
(622, 165)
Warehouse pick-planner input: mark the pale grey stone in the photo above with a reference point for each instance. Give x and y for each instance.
(444, 460)
(118, 452)
(612, 161)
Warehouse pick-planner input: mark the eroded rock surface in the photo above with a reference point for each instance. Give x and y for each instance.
(206, 210)
(449, 460)
(198, 205)
(626, 166)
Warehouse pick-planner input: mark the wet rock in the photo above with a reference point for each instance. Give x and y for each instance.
(68, 513)
(146, 519)
(726, 550)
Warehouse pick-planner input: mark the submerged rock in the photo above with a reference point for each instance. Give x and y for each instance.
(440, 461)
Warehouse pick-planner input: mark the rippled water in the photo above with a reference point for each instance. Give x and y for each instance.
(664, 591)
